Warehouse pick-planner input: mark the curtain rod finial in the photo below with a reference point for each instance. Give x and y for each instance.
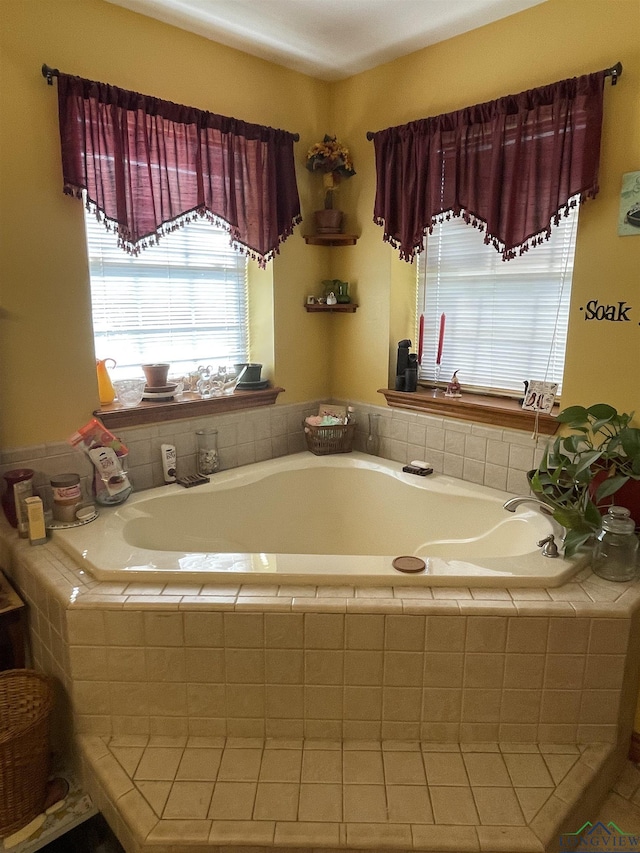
(49, 73)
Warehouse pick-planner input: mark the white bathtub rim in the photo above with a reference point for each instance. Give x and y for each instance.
(126, 562)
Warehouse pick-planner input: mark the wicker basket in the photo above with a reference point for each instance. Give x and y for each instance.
(26, 700)
(323, 440)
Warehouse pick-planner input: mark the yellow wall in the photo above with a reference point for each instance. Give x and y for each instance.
(47, 368)
(554, 40)
(47, 376)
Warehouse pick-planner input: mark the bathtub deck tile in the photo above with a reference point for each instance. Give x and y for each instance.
(278, 793)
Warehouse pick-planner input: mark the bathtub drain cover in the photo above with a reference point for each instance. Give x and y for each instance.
(409, 564)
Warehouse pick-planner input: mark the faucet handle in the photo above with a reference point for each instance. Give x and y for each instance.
(549, 547)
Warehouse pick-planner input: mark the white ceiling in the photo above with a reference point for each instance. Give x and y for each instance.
(328, 39)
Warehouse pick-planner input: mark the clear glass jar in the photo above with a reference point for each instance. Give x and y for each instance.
(615, 553)
(207, 460)
(372, 444)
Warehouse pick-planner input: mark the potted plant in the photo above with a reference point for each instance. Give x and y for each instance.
(581, 472)
(333, 161)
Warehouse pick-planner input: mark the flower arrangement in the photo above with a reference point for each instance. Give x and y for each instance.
(333, 160)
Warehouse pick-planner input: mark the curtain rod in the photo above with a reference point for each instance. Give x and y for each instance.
(50, 73)
(614, 72)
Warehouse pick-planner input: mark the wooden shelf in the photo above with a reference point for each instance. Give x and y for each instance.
(331, 239)
(497, 411)
(190, 406)
(339, 308)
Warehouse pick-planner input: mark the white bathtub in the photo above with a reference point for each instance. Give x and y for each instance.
(328, 519)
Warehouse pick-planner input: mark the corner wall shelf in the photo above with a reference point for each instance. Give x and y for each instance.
(331, 239)
(339, 308)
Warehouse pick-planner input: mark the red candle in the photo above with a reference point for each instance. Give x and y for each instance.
(420, 335)
(440, 339)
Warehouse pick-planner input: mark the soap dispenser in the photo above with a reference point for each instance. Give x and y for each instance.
(616, 550)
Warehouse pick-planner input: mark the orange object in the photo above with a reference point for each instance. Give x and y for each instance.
(105, 387)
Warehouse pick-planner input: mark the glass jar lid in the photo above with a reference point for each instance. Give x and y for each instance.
(617, 520)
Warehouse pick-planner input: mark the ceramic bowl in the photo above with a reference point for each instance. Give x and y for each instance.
(129, 391)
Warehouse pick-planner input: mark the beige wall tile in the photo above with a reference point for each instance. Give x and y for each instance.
(128, 699)
(166, 699)
(126, 664)
(284, 701)
(441, 705)
(324, 630)
(403, 669)
(443, 669)
(203, 629)
(323, 666)
(86, 627)
(445, 633)
(481, 706)
(364, 631)
(527, 634)
(522, 670)
(402, 704)
(404, 633)
(163, 629)
(483, 670)
(284, 630)
(91, 697)
(568, 636)
(284, 666)
(124, 627)
(87, 663)
(609, 636)
(486, 634)
(204, 665)
(363, 668)
(362, 703)
(243, 630)
(520, 706)
(165, 664)
(245, 700)
(604, 671)
(563, 672)
(323, 702)
(560, 706)
(244, 666)
(206, 700)
(599, 707)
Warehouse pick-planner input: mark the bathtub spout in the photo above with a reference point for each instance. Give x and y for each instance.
(513, 503)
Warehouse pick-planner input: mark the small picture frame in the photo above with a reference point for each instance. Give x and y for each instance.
(540, 396)
(311, 300)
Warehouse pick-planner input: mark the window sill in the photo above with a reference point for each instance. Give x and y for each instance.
(481, 408)
(190, 406)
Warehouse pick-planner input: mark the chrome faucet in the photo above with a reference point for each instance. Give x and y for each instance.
(513, 503)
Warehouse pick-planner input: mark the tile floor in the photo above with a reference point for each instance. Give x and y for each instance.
(324, 793)
(622, 805)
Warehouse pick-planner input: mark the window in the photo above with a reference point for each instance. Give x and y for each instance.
(182, 301)
(506, 321)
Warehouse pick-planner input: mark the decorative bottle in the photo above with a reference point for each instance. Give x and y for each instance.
(207, 460)
(616, 550)
(372, 444)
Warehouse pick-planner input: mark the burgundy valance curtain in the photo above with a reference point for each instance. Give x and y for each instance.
(510, 167)
(148, 165)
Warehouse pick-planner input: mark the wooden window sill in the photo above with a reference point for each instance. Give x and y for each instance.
(189, 406)
(481, 408)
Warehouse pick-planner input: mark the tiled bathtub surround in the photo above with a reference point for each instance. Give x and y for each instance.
(491, 456)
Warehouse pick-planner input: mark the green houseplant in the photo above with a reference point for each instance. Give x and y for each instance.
(581, 471)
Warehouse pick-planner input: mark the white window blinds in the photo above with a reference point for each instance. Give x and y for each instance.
(182, 301)
(506, 321)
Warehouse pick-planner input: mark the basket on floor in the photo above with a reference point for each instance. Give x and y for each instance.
(26, 701)
(322, 440)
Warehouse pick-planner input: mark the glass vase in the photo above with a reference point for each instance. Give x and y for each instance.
(372, 444)
(207, 460)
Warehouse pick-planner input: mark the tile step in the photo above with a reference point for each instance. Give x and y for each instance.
(210, 794)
